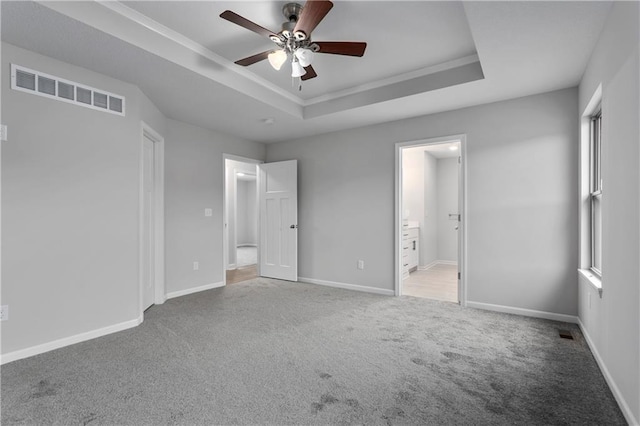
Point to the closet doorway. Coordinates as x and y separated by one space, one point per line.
429 219
241 220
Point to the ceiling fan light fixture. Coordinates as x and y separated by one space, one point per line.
277 58
305 56
294 42
300 35
297 70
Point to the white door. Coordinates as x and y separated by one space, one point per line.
278 200
148 223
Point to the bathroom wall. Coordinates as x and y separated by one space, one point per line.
447 199
430 193
429 232
413 186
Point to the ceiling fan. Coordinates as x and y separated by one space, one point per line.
294 40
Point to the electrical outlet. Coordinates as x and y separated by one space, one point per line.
196 266
208 212
4 312
360 264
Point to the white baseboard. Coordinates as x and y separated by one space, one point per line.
231 266
194 290
66 341
427 267
524 312
346 286
437 262
622 403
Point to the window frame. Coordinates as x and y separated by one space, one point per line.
595 188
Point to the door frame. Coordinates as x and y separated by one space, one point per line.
462 261
158 249
225 230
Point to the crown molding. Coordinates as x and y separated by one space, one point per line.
393 80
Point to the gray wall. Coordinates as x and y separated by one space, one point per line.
447 202
613 322
522 183
247 213
194 179
429 240
70 204
70 182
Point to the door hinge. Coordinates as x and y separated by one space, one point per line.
458 275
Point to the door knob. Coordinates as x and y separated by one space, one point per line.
293 226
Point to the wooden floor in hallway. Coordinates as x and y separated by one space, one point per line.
243 273
439 282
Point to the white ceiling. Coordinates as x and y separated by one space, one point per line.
421 58
444 22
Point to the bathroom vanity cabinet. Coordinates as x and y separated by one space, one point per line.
410 249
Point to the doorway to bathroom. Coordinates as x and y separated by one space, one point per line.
429 219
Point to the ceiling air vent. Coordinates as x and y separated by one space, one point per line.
41 84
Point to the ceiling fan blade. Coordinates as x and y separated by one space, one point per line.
348 48
245 23
312 13
311 73
253 59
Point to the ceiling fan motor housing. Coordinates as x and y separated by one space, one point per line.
291 11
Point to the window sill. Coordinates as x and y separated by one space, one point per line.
593 279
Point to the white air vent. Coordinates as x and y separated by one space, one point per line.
41 84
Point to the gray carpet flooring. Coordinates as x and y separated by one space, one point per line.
272 352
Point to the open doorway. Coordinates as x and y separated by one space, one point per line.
429 211
265 198
241 220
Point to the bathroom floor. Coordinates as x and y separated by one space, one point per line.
440 282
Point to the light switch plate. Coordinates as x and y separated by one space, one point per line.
208 212
3 132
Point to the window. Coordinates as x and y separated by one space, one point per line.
595 191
